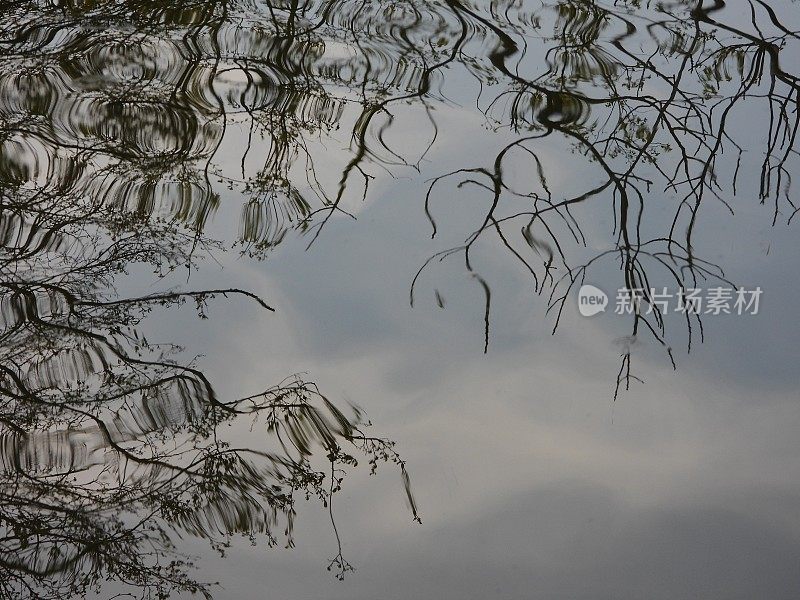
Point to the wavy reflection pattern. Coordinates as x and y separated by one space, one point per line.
121 129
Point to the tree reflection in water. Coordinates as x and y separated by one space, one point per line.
647 99
113 124
110 446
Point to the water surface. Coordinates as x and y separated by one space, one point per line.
289 299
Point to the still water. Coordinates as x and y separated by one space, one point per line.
290 299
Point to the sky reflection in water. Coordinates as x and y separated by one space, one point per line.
336 160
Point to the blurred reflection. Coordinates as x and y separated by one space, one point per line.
142 96
111 447
116 149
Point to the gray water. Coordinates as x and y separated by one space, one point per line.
247 245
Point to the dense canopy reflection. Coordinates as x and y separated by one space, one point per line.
127 127
111 118
110 444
